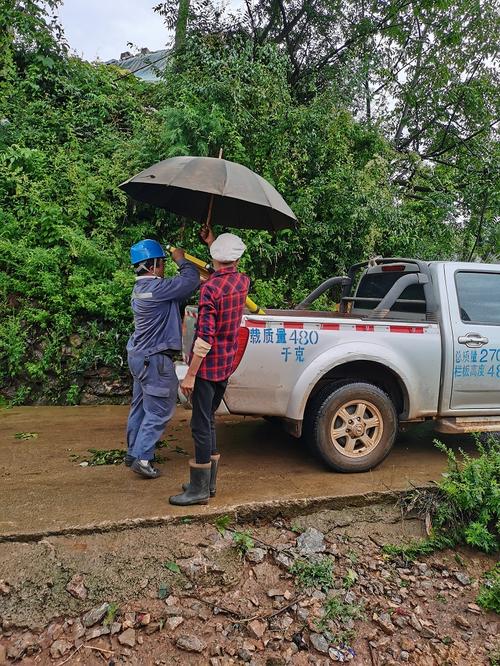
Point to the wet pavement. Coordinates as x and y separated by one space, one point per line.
43 490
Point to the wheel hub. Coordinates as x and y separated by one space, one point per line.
356 428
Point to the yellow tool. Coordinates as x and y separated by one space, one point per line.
206 269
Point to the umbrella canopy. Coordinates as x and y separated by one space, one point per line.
186 185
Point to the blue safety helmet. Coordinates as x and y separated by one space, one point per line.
144 250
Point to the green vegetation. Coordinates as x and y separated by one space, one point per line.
465 509
304 104
317 574
172 566
222 524
336 612
111 614
489 594
243 541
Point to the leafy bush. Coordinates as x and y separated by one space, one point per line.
465 509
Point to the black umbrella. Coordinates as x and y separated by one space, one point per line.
212 190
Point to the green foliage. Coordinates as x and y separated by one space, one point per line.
243 541
335 613
489 594
172 566
466 508
222 524
314 575
71 131
110 614
349 579
106 457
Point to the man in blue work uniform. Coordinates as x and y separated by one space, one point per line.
156 338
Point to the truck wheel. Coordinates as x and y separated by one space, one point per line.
353 428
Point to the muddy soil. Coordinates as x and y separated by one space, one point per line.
44 490
187 594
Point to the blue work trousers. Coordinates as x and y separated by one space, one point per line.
154 398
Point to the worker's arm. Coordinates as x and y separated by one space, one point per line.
181 286
206 327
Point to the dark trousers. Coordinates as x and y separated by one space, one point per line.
206 399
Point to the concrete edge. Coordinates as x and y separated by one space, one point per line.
242 513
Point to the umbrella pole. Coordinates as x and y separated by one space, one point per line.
206 224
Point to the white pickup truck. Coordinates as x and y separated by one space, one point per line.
405 341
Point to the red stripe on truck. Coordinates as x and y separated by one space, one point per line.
329 327
252 323
368 328
406 329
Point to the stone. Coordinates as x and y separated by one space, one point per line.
3 655
127 638
404 656
385 623
59 648
54 630
115 628
4 587
257 628
302 614
77 630
311 541
245 655
173 622
25 645
143 619
171 600
474 608
152 628
96 632
319 643
407 645
95 615
462 622
190 643
76 587
415 622
275 593
256 555
462 578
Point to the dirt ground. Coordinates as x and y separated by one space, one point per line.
44 490
222 593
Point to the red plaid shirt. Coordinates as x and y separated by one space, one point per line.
222 300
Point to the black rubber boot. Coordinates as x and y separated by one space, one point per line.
198 490
214 461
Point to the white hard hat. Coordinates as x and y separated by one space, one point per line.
227 247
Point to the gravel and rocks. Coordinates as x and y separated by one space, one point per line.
224 609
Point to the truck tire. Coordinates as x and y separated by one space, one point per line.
352 427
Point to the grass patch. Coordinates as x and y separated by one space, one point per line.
338 611
317 575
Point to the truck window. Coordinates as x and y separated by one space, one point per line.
376 285
478 297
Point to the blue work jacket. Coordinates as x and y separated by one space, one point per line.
155 304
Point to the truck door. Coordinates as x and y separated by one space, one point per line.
474 297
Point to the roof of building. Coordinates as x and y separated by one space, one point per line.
146 65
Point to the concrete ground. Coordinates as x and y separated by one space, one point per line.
43 490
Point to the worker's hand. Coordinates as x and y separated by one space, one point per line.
207 235
178 255
187 385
